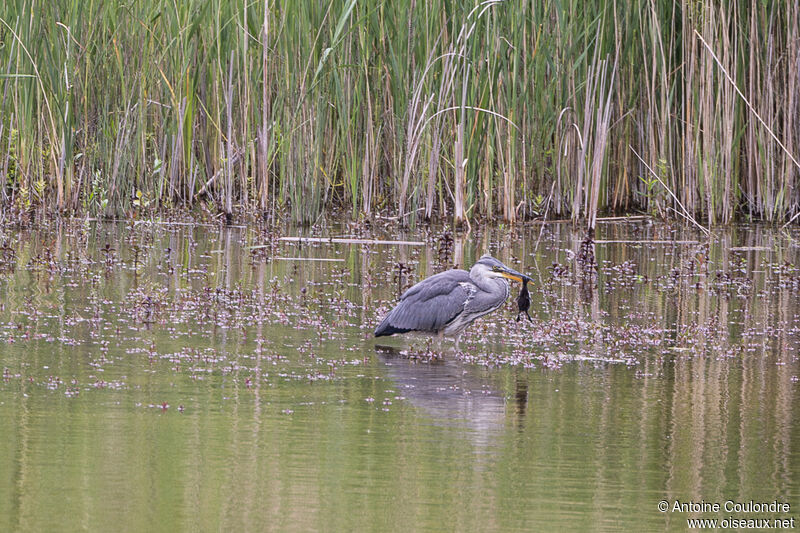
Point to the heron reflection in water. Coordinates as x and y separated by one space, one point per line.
446 303
452 394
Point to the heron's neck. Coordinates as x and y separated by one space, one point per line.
491 285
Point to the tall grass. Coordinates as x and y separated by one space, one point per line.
418 109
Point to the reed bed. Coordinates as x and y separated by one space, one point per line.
496 109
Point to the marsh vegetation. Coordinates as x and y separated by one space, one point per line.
422 110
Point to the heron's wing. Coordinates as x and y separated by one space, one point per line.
429 305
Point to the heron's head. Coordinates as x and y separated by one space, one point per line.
490 267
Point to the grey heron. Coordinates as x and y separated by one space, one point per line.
446 303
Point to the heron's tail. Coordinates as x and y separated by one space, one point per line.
385 328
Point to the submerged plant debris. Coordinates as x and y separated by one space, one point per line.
196 301
130 351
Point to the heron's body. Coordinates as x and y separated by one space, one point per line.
446 303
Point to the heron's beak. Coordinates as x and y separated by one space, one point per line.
510 273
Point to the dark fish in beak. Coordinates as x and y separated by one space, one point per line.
524 300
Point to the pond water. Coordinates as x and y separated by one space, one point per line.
168 377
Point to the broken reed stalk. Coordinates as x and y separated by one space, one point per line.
747 102
684 212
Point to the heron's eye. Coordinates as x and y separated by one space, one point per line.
496 268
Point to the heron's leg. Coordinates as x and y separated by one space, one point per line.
529 317
439 340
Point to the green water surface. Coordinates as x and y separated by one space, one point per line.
199 378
